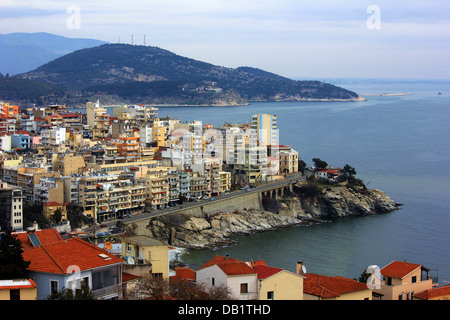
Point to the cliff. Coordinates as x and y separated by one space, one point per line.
308 203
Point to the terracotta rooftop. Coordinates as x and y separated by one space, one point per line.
330 287
399 269
434 293
59 256
230 266
184 273
45 236
264 271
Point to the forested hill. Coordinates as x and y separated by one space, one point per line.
144 74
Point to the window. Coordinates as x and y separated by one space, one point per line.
244 287
414 279
213 281
400 296
53 286
269 295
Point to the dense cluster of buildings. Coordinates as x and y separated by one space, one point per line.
111 166
119 164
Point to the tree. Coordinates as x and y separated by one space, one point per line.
159 289
349 171
149 287
301 166
186 290
57 215
12 265
319 163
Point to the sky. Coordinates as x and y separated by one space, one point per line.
299 39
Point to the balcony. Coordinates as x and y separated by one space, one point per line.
108 292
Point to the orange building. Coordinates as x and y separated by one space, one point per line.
8 111
128 147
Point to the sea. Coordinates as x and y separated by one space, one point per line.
399 144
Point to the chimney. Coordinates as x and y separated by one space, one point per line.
300 267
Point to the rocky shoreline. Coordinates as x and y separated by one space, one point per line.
307 204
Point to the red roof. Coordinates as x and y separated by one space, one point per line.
399 269
52 204
60 257
330 287
45 236
128 277
265 272
184 273
434 293
229 265
68 115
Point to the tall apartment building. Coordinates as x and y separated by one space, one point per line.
173 180
97 120
11 207
156 187
105 196
266 128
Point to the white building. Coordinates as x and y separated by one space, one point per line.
237 275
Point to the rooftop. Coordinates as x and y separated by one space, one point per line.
399 269
60 256
330 287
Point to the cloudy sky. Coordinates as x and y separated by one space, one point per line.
294 38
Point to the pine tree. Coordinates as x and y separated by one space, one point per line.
12 264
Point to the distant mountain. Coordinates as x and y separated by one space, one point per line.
144 74
22 52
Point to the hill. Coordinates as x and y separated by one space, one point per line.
22 52
130 74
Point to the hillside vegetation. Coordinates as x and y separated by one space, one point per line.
153 75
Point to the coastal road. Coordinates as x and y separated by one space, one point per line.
292 179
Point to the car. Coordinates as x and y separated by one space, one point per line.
101 234
103 225
211 199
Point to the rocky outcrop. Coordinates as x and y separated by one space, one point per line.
307 203
220 229
313 202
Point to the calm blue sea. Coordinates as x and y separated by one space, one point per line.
398 144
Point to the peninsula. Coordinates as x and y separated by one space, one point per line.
123 74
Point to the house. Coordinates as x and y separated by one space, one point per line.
64 264
144 254
320 287
401 280
438 293
49 209
237 275
18 289
276 283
